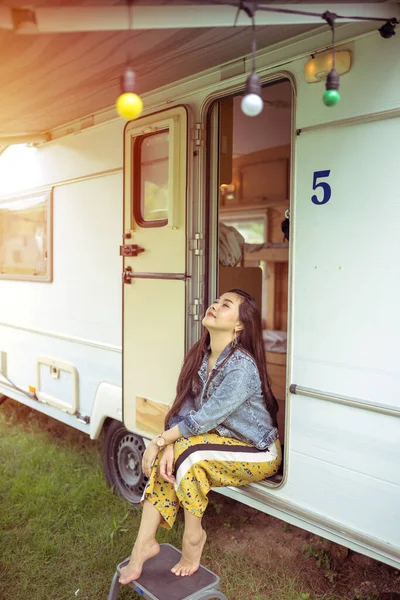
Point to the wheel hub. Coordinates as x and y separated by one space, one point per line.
129 461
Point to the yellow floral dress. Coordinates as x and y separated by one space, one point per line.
203 462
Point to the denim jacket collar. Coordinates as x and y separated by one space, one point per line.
203 368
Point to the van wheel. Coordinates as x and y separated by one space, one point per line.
122 460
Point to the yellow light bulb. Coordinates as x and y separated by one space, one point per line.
129 105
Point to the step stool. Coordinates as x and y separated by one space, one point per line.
158 583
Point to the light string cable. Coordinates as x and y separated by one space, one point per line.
387 30
129 105
252 102
129 5
331 95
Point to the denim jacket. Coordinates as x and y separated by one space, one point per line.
230 402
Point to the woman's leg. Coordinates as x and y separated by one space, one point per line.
160 507
193 541
206 461
146 545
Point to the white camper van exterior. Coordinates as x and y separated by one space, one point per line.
100 355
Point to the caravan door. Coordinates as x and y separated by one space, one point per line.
154 266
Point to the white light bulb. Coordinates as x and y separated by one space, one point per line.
252 105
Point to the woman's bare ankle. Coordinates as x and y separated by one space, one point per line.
192 548
144 541
142 551
194 537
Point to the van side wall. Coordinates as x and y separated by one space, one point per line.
77 317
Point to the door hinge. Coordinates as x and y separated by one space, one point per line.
196 244
194 309
198 134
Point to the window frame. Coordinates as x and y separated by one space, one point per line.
137 180
47 196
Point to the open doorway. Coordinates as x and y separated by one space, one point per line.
253 197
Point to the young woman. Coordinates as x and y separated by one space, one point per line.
220 431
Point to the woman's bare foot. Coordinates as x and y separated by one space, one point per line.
191 555
141 552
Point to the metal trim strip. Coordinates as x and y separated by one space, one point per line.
384 409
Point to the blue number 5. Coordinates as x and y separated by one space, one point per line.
325 186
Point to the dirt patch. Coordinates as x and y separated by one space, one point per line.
322 567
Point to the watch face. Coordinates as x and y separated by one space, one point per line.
160 442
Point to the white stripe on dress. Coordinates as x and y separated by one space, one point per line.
245 457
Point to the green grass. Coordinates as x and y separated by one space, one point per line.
63 530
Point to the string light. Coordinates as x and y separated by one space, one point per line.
331 95
252 103
129 105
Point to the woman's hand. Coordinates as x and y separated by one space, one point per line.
149 456
167 464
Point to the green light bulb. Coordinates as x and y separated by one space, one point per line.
331 97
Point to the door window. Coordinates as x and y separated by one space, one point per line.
151 189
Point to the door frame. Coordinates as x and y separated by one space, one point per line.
210 121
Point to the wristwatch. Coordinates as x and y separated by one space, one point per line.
160 441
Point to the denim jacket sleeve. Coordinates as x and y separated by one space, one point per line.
237 386
173 421
186 407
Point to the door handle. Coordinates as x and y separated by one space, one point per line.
130 250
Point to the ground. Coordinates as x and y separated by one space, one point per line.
324 568
62 531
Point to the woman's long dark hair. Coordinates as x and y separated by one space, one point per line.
250 339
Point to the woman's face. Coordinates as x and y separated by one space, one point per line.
223 314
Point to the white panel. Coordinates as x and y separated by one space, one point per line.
93 364
343 465
84 299
347 278
358 440
154 341
92 151
361 503
372 85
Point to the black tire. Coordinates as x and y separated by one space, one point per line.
122 460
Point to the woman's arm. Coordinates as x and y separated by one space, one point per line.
170 436
237 386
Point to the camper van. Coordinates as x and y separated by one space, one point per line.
116 235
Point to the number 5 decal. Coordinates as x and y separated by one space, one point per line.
322 184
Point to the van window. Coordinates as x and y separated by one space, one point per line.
25 232
253 228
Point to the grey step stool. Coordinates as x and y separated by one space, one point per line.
158 583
